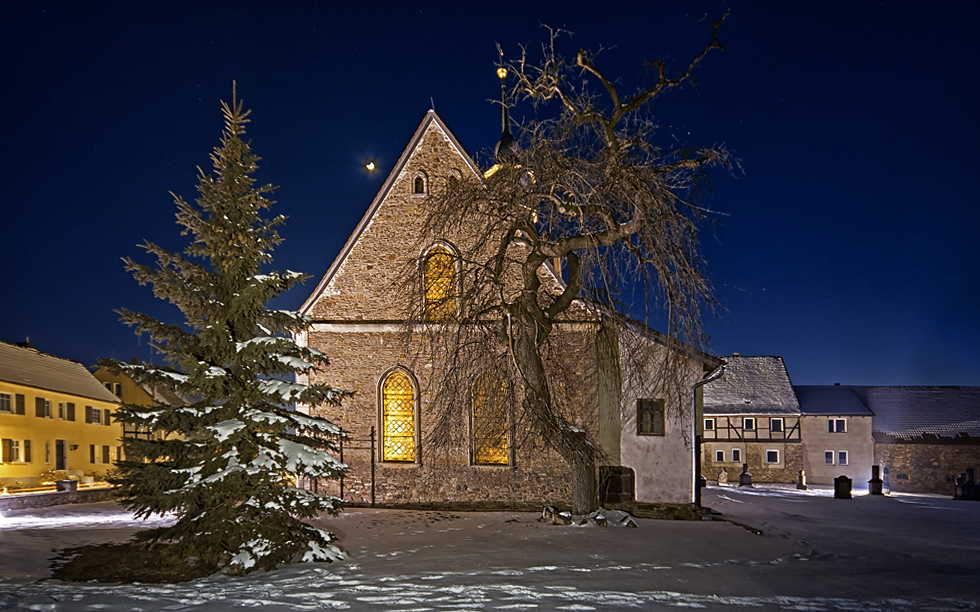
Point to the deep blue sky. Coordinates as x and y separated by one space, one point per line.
848 246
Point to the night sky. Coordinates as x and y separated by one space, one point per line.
848 246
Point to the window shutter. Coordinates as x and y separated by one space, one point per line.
91 453
6 444
39 407
107 420
70 414
105 454
20 404
88 414
27 451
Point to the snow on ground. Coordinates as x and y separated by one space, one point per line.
409 561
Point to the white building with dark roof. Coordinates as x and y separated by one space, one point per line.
836 433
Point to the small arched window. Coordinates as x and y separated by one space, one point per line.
398 418
490 420
418 185
439 278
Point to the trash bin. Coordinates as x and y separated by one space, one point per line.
842 487
68 485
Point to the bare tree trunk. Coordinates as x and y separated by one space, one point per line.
585 498
570 441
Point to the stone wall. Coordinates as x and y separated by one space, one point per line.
55 498
925 468
787 471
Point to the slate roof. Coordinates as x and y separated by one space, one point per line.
32 368
830 400
923 413
751 385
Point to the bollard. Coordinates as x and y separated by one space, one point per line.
801 483
842 487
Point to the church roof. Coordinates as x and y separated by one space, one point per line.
32 368
751 385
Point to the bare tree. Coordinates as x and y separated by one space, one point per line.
589 208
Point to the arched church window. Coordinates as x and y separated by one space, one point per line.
418 185
489 420
439 278
398 418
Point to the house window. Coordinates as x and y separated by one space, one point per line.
5 405
650 417
398 418
772 456
775 425
61 410
93 415
490 421
117 389
709 424
736 455
841 457
10 450
837 426
720 456
42 408
828 457
748 424
439 278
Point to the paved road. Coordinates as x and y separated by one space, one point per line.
814 553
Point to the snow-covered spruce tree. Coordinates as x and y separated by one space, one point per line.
229 458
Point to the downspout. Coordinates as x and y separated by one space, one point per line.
715 375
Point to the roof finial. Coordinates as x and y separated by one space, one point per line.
507 146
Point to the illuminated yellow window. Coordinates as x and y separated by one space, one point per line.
440 285
398 418
489 420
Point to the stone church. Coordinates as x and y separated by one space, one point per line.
647 442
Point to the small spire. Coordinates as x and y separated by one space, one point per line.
507 147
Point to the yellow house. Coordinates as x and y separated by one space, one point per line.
54 415
130 392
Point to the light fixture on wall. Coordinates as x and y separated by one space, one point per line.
74 447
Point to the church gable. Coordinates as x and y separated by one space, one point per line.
366 280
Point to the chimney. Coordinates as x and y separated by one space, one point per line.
735 355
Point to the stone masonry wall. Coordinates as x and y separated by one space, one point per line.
787 471
926 468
